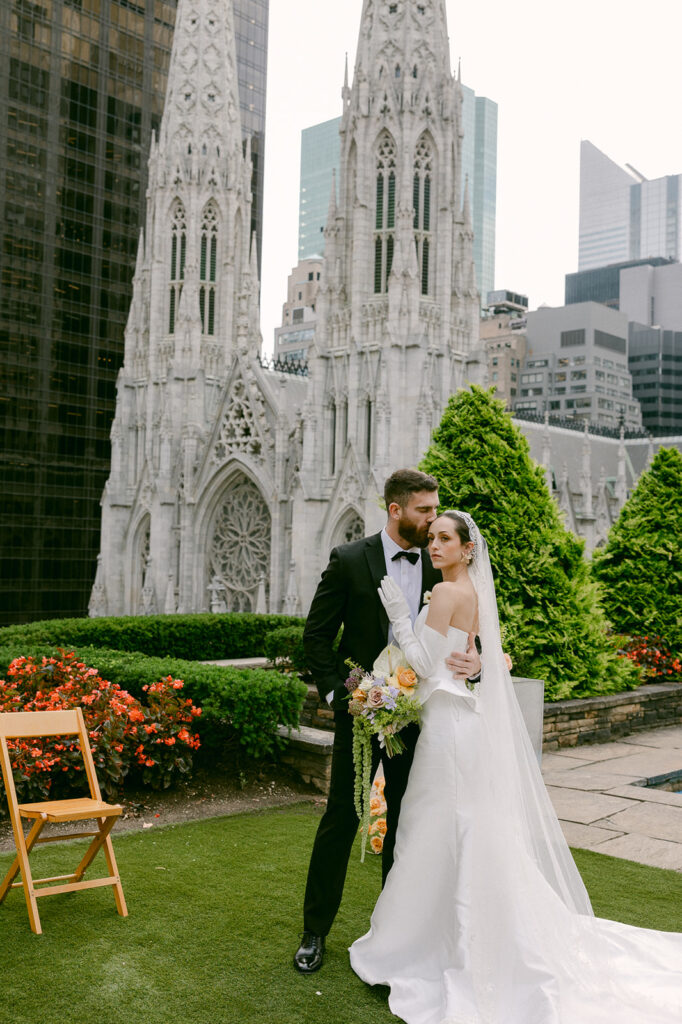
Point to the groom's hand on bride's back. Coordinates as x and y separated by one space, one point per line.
465 663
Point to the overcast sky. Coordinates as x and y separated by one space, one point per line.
604 70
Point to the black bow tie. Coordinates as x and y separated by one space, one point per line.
412 556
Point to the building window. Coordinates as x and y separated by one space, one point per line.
177 263
208 258
569 338
384 223
421 202
368 430
611 341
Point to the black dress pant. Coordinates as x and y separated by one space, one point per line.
339 824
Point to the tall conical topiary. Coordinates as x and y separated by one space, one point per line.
640 567
556 629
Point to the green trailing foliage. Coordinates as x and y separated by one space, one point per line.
203 636
640 567
241 708
556 629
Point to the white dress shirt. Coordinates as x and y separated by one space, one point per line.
407 576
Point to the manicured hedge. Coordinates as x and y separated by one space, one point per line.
285 646
179 636
241 708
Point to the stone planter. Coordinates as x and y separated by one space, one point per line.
530 693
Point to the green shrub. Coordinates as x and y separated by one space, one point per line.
200 636
284 647
640 567
241 708
556 628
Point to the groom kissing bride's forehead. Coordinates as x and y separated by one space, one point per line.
348 596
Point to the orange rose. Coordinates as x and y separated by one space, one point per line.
507 660
375 805
359 694
406 677
378 826
377 844
379 784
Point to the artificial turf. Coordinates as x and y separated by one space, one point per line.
214 921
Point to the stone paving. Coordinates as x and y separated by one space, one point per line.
594 792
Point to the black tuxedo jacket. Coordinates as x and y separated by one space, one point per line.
347 596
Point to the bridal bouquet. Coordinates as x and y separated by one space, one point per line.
382 703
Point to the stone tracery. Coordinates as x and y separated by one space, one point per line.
239 546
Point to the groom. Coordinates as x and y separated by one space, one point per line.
347 596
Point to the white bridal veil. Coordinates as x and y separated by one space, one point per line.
522 804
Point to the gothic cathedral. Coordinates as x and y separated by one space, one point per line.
230 483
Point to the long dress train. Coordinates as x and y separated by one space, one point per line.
472 926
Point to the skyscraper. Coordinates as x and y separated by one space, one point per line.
479 168
320 157
321 154
81 90
623 215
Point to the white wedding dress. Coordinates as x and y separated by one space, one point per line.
483 918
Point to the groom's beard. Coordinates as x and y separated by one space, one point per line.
416 536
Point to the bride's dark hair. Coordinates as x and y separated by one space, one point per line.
461 528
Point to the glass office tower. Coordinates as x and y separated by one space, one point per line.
623 215
479 167
82 86
320 156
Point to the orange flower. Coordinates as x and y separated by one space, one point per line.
377 844
406 677
359 695
507 660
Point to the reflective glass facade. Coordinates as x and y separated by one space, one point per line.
82 86
320 156
602 284
479 166
624 216
655 363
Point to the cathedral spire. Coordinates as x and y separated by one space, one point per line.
201 114
399 37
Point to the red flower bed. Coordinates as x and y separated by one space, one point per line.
153 742
653 656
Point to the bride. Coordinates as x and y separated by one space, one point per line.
484 918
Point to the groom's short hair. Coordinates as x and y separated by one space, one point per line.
404 482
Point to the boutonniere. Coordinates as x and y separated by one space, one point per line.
427 596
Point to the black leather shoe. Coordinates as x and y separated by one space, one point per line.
309 955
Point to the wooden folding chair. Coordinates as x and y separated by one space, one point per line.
25 724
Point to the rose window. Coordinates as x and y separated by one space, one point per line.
239 552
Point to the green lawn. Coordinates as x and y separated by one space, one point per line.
214 922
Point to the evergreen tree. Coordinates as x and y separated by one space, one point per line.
640 568
556 629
